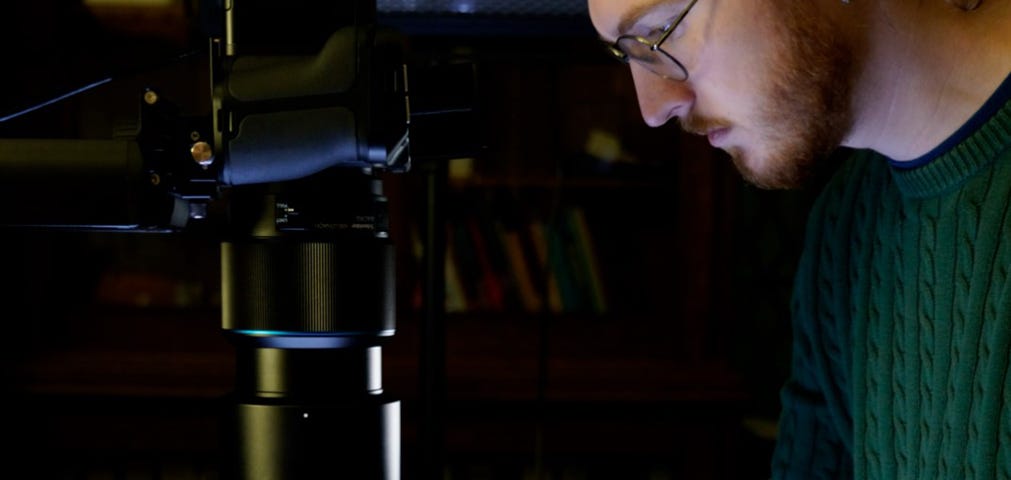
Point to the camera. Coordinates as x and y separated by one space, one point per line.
286 173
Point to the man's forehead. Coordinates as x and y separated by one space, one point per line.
617 17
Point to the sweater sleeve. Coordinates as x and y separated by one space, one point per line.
809 445
812 442
815 428
815 434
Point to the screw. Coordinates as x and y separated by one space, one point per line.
150 97
202 154
155 179
194 135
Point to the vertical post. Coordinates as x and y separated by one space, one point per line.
433 327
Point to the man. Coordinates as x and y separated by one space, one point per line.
902 301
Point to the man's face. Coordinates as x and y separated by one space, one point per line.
768 80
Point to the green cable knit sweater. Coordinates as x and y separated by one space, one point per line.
902 320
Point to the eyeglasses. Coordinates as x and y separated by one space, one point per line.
648 52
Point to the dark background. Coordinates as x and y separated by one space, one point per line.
114 365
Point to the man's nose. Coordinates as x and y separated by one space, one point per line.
660 99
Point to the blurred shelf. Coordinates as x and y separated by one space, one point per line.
552 183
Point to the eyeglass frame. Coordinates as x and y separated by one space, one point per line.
654 46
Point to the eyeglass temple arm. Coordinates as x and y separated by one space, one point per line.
673 26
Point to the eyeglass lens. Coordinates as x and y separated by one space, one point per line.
658 62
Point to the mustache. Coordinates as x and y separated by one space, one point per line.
701 125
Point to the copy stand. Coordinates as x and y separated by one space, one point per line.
289 185
284 174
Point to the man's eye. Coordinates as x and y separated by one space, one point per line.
656 32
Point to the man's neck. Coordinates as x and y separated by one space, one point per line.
930 66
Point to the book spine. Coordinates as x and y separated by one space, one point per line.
456 294
587 260
539 239
561 266
490 281
520 270
468 266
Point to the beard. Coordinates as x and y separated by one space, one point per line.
806 108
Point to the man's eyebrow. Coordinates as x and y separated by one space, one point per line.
633 15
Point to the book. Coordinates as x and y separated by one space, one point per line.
456 298
467 264
560 264
585 260
489 278
519 269
491 230
539 240
455 294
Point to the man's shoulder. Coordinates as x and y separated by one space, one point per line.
855 174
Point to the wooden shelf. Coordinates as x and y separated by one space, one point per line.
554 183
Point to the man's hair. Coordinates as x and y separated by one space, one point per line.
966 5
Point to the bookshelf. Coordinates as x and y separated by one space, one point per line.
655 358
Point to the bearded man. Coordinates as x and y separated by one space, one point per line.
902 300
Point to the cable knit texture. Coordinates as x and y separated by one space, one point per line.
902 321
